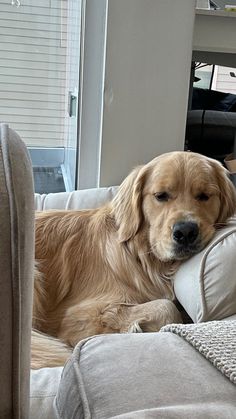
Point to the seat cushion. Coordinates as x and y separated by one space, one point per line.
142 376
43 388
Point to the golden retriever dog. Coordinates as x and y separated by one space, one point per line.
109 270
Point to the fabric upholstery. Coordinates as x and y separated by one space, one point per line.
125 376
43 388
142 376
83 199
216 341
146 376
16 279
205 285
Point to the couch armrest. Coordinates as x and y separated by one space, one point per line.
205 285
142 375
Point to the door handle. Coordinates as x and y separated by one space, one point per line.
72 101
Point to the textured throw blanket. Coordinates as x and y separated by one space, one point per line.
215 340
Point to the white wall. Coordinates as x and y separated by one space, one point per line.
148 57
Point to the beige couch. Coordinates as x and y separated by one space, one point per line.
178 373
156 375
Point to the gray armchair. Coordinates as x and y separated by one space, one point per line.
16 278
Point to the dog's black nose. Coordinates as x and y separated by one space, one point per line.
185 232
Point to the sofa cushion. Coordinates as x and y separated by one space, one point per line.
83 199
216 341
205 285
142 376
43 388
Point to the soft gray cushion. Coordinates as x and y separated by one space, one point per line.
16 278
205 285
142 376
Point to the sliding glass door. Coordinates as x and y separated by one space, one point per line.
39 84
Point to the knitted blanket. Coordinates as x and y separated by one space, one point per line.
215 340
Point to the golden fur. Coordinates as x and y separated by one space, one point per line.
109 269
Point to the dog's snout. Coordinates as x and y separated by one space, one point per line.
185 232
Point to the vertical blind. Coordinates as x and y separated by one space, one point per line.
33 41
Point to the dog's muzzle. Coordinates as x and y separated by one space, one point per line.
185 235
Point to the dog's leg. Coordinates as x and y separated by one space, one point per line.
83 320
94 317
147 317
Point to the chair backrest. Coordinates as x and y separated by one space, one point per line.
16 274
76 200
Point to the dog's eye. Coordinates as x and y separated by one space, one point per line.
162 196
202 197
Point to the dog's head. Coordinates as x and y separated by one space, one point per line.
179 199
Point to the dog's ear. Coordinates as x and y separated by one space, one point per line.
227 193
127 204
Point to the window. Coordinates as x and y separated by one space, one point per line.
215 77
224 79
203 75
39 84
